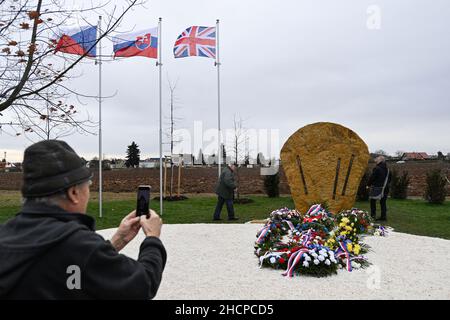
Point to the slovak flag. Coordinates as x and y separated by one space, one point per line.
78 40
196 41
140 43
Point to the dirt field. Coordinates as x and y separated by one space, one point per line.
202 180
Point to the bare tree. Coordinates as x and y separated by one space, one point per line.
174 139
32 76
240 140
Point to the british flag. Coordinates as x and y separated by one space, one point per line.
196 41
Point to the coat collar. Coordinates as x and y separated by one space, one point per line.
32 208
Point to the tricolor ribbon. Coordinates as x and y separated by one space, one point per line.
339 253
293 261
314 209
263 234
306 239
290 224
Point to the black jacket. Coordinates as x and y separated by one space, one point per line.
378 177
226 185
38 246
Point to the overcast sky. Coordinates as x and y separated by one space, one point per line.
285 64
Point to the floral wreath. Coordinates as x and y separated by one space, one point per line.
316 243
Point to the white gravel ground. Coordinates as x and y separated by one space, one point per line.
216 261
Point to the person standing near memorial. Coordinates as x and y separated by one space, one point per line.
379 187
225 192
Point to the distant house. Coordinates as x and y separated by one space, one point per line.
11 167
149 163
118 164
415 156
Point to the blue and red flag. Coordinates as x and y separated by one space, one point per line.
196 41
140 43
78 40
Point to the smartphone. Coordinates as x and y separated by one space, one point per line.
143 201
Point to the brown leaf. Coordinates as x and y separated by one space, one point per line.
25 25
12 43
31 48
20 53
6 50
33 14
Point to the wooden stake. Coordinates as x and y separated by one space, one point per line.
165 177
179 178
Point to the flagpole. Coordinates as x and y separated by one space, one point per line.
100 156
159 64
217 64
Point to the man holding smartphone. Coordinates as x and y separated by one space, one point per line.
50 250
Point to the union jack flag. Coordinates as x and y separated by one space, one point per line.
196 41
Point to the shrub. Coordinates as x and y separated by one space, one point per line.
435 190
399 184
271 185
363 192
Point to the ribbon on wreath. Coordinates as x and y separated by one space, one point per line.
293 261
269 254
343 251
263 233
314 210
290 224
306 238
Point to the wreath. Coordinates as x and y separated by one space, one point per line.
316 243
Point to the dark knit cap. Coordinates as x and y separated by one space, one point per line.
51 166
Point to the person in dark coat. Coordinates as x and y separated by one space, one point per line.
377 179
225 193
50 249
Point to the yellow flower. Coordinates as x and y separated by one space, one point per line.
356 249
350 247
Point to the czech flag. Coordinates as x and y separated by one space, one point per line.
78 40
140 43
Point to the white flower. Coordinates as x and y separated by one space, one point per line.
327 262
355 265
307 258
333 260
273 260
340 266
321 258
314 254
316 262
331 253
305 264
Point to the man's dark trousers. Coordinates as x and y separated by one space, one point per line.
230 208
373 207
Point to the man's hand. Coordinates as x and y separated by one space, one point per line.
152 225
128 229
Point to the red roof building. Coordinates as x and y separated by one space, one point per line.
415 156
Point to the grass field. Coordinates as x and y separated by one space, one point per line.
409 216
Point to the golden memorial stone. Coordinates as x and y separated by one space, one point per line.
324 163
